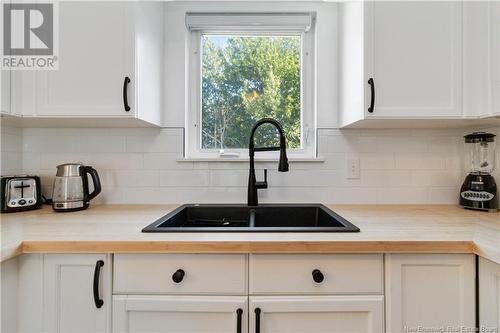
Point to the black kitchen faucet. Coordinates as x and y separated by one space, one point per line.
253 184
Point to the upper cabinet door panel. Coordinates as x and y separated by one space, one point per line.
414 54
95 55
495 56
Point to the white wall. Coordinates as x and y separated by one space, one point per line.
141 166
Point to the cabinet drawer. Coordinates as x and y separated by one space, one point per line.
293 274
222 274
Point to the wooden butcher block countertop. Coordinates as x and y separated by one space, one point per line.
384 228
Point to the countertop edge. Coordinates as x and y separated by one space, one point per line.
246 247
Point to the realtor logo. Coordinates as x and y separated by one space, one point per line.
29 36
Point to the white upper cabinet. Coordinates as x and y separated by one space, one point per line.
5 91
481 88
400 60
110 57
494 32
96 55
414 56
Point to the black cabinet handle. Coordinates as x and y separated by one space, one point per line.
372 101
257 320
178 276
97 272
125 99
318 277
239 313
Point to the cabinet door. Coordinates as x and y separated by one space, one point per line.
96 53
424 291
5 91
494 23
314 314
176 314
414 55
69 303
489 295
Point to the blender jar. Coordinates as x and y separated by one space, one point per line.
480 152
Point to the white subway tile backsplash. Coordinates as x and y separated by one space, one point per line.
332 161
100 144
303 178
141 165
184 178
114 161
52 160
436 178
403 195
165 161
48 144
162 142
11 142
229 178
134 178
444 195
454 161
10 162
446 144
420 161
377 161
293 194
31 161
354 194
386 178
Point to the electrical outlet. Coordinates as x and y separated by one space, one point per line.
353 171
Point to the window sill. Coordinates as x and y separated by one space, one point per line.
246 160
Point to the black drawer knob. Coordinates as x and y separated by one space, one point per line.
178 276
318 277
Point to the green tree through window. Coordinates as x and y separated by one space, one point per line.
244 79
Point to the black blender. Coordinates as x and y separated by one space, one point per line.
479 190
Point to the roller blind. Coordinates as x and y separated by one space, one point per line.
246 21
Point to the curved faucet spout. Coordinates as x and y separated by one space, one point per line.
253 185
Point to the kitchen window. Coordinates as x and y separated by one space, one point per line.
244 67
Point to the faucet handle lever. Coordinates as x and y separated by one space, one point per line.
262 184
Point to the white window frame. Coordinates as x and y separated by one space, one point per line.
217 24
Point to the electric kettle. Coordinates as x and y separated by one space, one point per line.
71 187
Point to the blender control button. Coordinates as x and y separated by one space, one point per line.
13 203
30 201
22 202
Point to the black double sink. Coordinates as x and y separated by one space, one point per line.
243 218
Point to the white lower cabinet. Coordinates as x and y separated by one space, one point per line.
70 301
176 314
316 314
427 292
280 293
489 295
